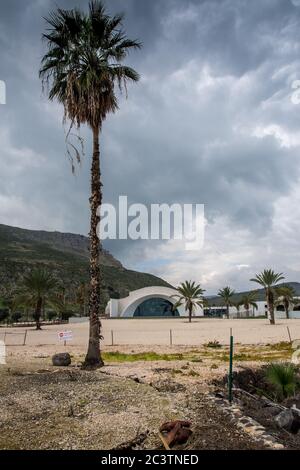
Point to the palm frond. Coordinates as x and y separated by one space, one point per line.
283 378
84 62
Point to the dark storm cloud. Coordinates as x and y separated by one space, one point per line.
210 122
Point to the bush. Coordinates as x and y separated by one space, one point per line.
51 315
66 315
4 314
213 344
283 378
15 317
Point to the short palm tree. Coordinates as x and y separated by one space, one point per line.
283 377
227 293
82 67
267 279
39 288
285 295
248 300
190 294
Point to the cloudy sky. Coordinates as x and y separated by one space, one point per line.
214 120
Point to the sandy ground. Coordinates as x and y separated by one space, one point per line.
150 332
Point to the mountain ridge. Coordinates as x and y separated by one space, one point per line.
67 256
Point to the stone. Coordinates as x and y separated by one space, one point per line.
278 446
285 419
61 359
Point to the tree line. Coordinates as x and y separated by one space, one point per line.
191 295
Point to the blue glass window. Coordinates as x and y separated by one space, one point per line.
156 307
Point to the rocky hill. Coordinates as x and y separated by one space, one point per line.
67 256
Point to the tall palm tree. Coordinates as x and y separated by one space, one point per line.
248 300
285 295
82 293
227 293
39 288
267 279
82 67
191 295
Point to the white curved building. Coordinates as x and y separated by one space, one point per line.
153 301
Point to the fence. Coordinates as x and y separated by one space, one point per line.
148 333
29 324
8 334
176 337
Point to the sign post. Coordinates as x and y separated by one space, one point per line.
65 336
2 353
289 333
230 368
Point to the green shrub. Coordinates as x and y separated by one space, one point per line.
213 344
51 315
15 317
283 378
66 315
4 314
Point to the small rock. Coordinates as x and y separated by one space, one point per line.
61 360
278 446
285 419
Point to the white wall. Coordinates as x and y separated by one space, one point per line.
78 319
126 307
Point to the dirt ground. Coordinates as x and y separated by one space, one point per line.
73 409
43 407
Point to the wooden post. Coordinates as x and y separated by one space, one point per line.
171 338
112 337
4 337
289 333
25 337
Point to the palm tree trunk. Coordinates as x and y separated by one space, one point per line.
272 316
227 311
287 313
93 357
38 312
270 302
286 307
190 315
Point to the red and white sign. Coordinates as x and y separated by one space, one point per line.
65 335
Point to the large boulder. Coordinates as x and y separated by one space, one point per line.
61 359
